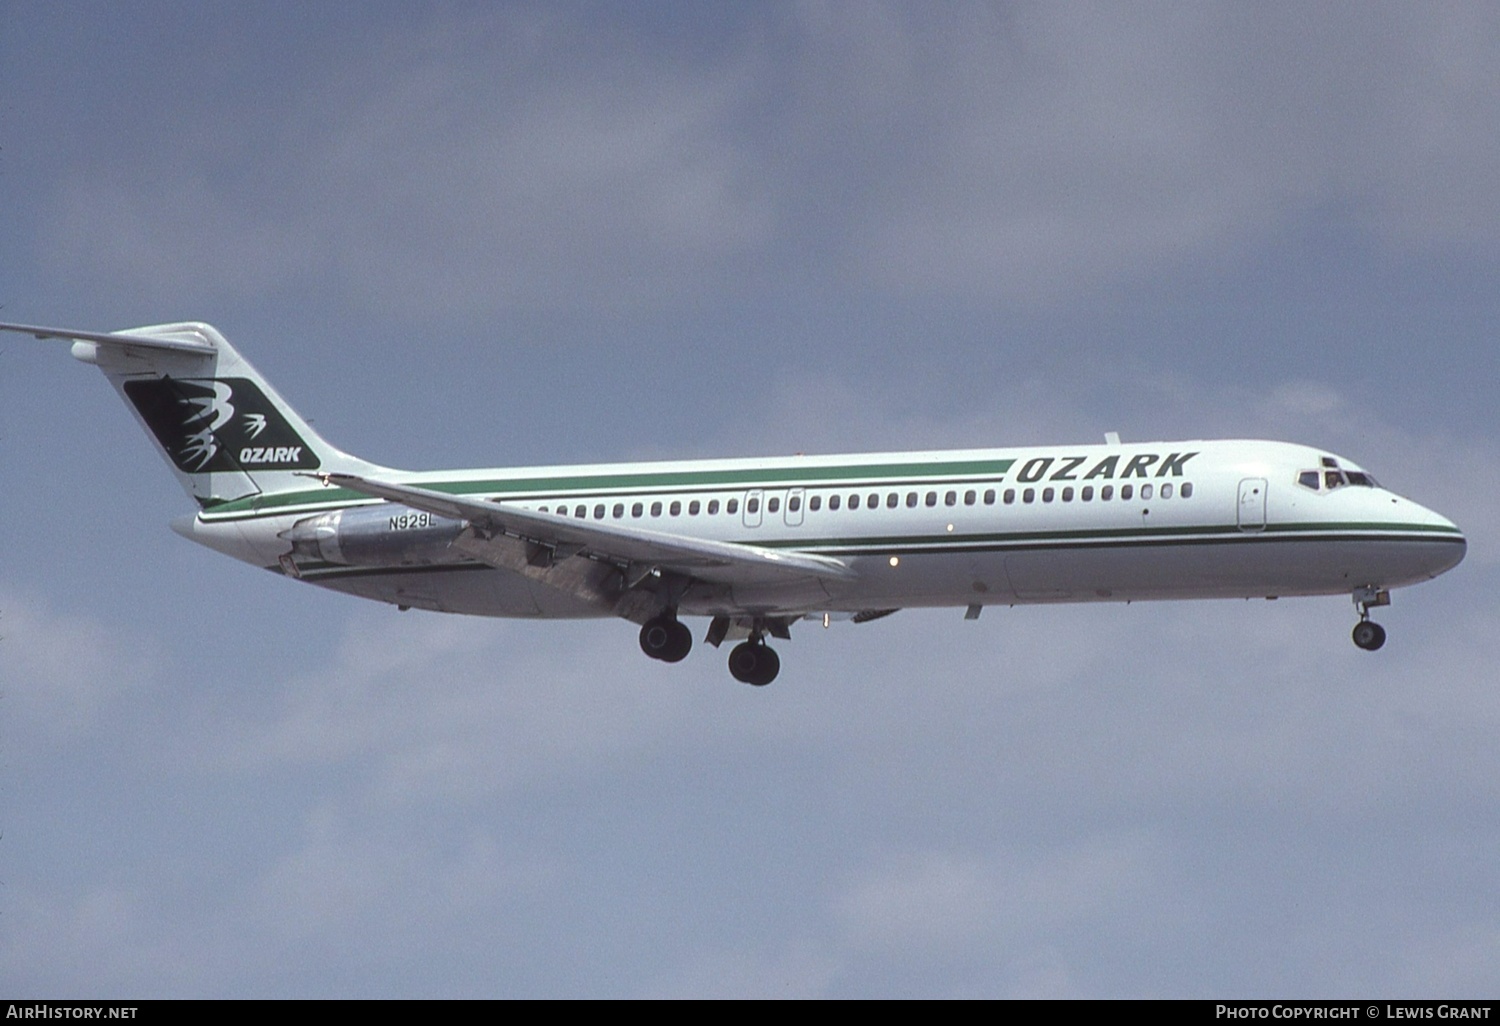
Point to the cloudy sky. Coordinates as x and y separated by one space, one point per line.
486 234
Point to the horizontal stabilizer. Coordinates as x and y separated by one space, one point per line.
180 341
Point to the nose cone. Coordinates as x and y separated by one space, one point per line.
1458 548
1415 543
1449 546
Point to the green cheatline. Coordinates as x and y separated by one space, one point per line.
1100 536
881 474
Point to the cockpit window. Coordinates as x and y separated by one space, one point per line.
1329 477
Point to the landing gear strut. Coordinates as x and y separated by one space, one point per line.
666 638
1368 634
754 662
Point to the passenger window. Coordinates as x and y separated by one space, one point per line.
580 511
892 501
1067 495
713 507
932 498
969 497
599 511
675 509
1106 493
872 500
751 506
833 501
1087 495
989 496
732 507
693 508
1029 495
1010 496
636 509
854 501
619 510
1126 491
1145 491
656 509
1187 490
911 500
1047 494
773 504
814 502
1166 490
950 499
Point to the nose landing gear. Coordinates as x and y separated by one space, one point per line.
1368 634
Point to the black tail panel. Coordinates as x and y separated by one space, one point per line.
218 425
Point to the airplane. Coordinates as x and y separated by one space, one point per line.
757 545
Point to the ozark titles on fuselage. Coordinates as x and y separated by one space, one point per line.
1138 465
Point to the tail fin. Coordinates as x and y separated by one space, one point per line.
225 432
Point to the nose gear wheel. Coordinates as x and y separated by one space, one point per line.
1368 634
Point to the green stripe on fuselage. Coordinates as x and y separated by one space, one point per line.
1107 536
878 474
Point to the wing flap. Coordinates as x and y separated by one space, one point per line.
555 537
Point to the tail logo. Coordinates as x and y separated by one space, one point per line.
205 416
206 425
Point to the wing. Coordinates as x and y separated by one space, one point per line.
507 536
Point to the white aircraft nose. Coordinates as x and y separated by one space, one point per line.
1452 547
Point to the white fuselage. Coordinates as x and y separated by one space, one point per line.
757 544
1166 520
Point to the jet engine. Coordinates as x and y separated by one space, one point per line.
385 535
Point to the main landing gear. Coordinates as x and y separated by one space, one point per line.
1368 634
754 662
666 638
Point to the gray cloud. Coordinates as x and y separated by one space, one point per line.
519 159
65 674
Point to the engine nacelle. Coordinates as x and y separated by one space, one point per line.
385 535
